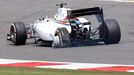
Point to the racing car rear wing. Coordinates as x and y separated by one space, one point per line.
82 12
97 11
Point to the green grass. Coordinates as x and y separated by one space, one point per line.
37 71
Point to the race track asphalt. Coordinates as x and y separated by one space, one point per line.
30 10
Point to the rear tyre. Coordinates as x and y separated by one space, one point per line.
110 32
61 38
18 33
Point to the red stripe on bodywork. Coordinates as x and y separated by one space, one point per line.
112 69
32 64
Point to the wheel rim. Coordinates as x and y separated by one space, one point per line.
58 42
13 33
60 38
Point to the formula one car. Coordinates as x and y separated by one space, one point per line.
66 28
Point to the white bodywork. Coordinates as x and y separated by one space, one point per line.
45 28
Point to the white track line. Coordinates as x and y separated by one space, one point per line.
67 65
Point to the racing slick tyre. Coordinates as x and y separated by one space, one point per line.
110 31
18 33
61 38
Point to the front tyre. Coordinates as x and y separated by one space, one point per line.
18 33
110 31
